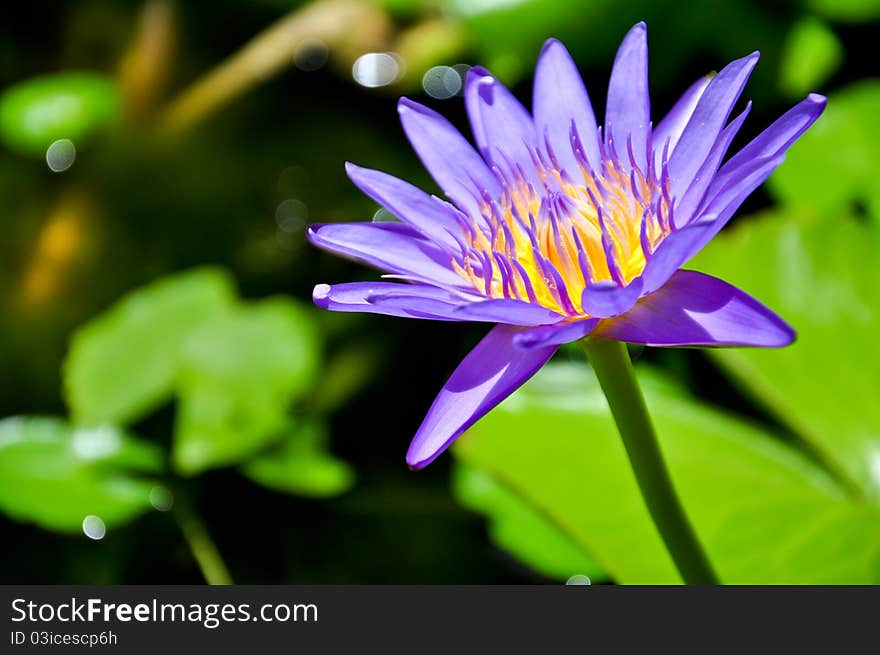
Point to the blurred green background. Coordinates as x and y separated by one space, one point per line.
171 393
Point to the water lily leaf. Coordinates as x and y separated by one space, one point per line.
855 11
124 363
522 530
847 138
811 54
818 272
765 512
302 465
239 375
55 475
39 111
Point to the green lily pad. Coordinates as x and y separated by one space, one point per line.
523 530
764 512
811 54
301 465
853 11
124 363
837 162
55 475
74 105
239 375
818 272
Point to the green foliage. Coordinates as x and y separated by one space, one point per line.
813 262
235 368
837 161
125 363
812 53
301 464
238 377
817 271
854 11
521 529
55 475
766 513
36 112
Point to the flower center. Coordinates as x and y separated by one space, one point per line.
550 236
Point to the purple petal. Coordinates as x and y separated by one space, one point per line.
672 126
674 251
391 247
684 243
606 298
367 297
434 218
449 158
472 101
628 112
490 372
510 311
725 196
686 208
554 335
422 301
502 127
707 121
694 309
559 99
773 141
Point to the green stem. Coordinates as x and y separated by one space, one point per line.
201 545
614 370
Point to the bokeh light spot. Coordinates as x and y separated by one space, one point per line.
311 54
291 215
93 527
382 215
579 579
442 82
161 498
61 155
375 69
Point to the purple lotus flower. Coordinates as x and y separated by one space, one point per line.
558 229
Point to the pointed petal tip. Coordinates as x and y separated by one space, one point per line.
355 172
478 71
483 82
360 175
416 461
405 105
320 295
697 310
638 31
787 335
551 43
817 99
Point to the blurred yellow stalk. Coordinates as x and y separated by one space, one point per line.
349 27
58 244
143 71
